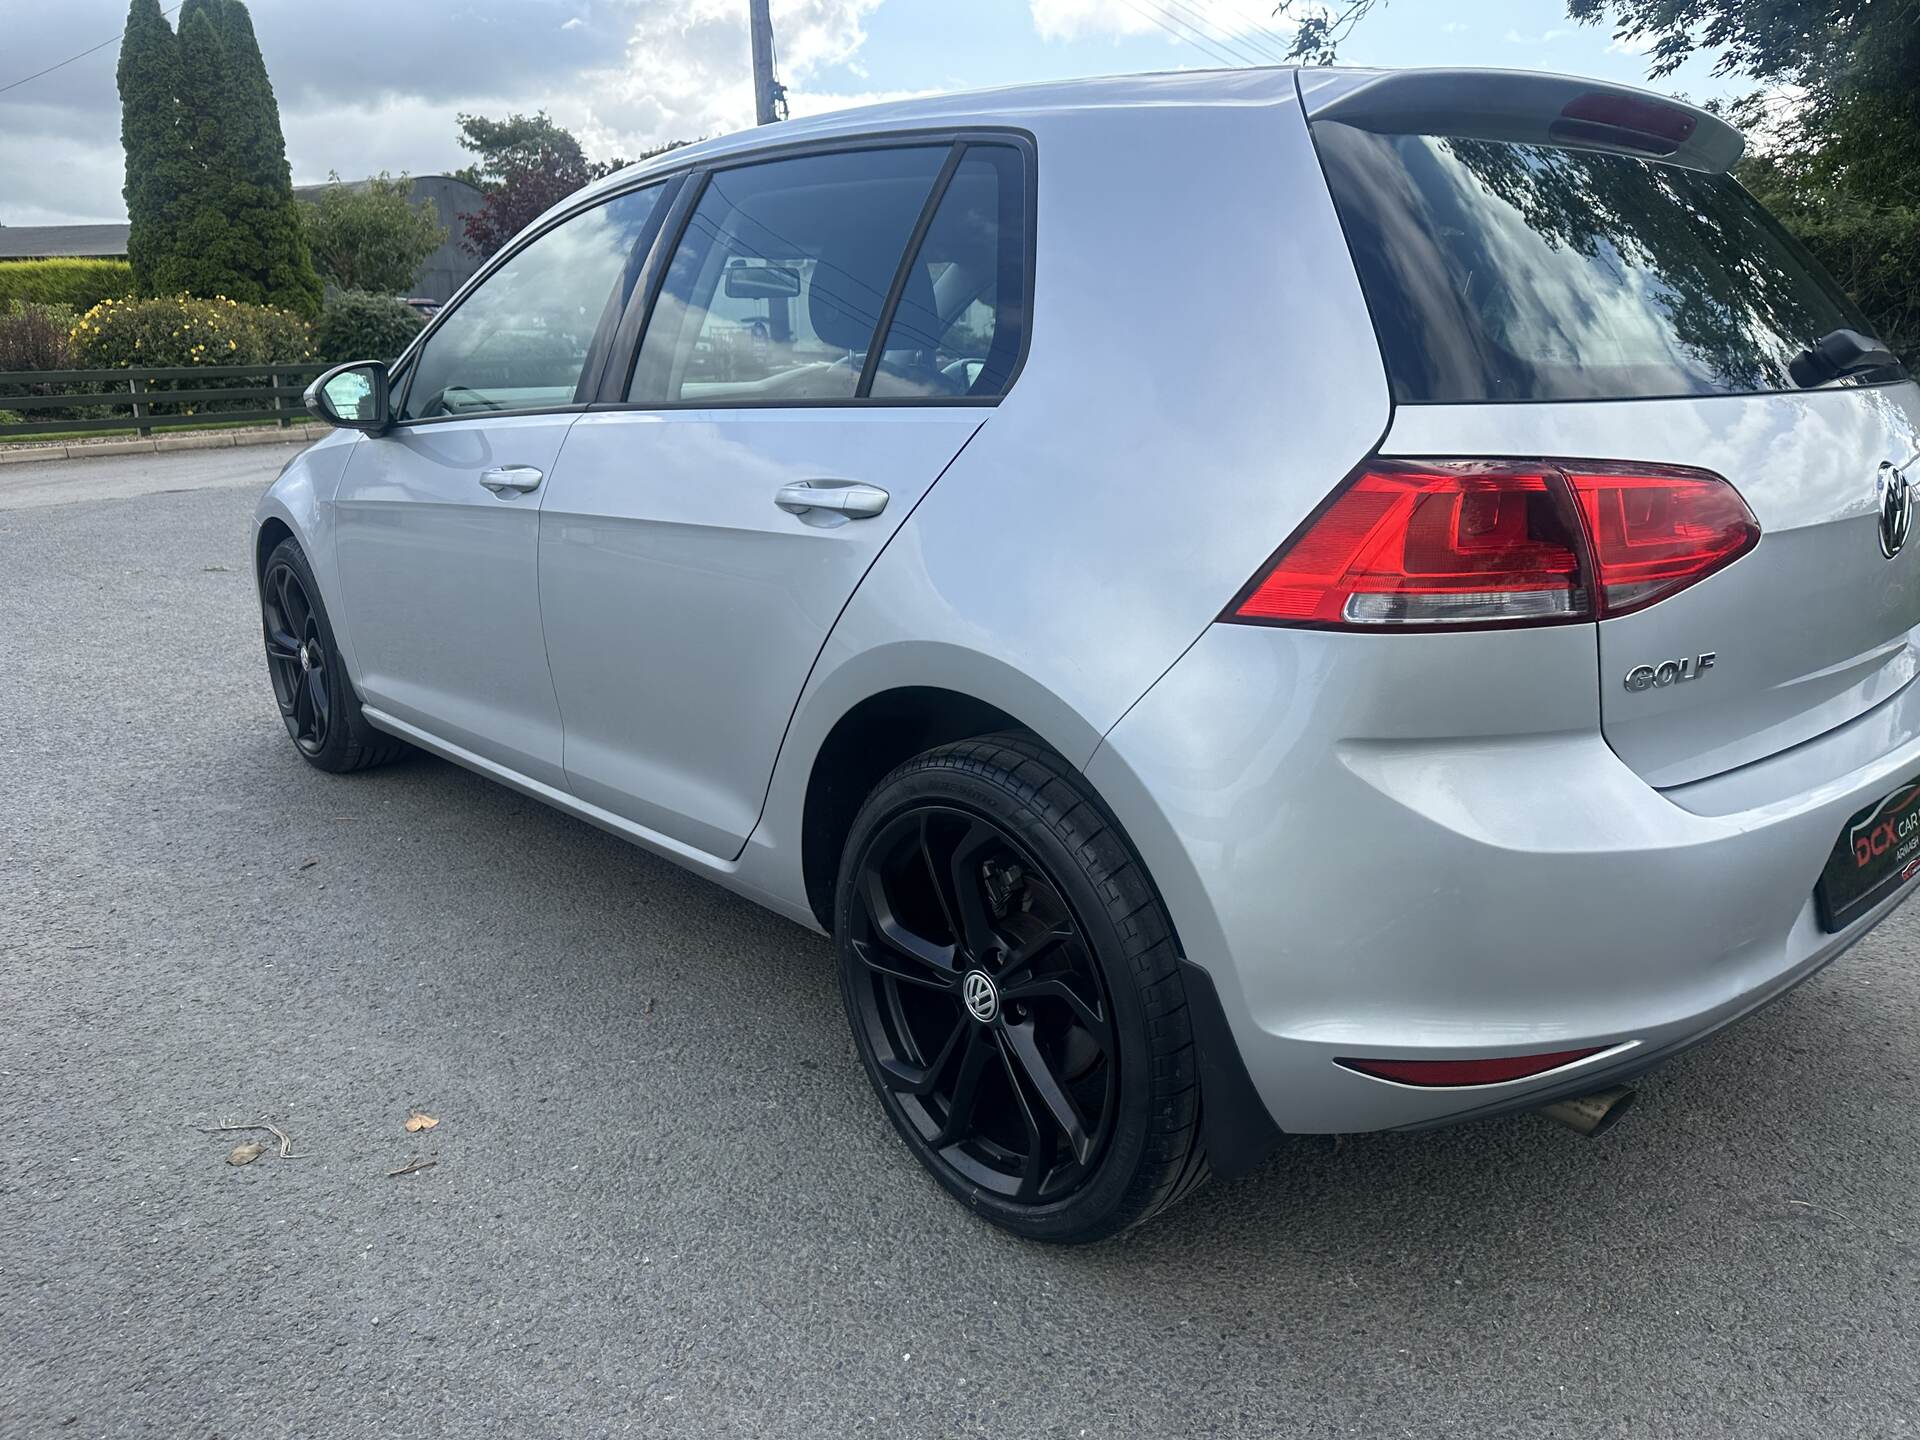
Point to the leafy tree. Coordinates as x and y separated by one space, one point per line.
530 186
526 165
370 237
358 326
516 144
159 162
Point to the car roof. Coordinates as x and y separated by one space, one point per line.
1007 105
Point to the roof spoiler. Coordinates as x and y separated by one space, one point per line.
1524 106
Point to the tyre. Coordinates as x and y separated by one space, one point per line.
1012 981
316 699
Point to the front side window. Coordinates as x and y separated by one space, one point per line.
777 287
521 339
957 332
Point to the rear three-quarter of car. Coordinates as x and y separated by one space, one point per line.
1402 611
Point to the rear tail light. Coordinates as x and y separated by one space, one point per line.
1466 1072
1430 544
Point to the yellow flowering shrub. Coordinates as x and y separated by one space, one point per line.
183 330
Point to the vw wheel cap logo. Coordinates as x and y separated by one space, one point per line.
1896 508
983 1000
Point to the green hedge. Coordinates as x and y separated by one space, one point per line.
79 283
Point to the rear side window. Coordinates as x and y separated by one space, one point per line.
777 286
1503 271
959 326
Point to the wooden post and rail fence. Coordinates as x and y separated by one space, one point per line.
149 399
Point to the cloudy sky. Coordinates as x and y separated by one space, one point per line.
369 85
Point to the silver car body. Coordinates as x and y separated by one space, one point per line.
1425 846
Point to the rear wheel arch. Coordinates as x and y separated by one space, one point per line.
863 747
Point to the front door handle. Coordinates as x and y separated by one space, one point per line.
511 477
836 497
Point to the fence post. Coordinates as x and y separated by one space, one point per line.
138 385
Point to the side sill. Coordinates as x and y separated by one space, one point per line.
722 872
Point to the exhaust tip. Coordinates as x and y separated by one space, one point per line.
1591 1115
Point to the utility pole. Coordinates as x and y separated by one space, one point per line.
767 92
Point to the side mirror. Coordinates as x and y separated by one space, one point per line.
352 396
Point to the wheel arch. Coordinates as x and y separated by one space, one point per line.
272 531
868 740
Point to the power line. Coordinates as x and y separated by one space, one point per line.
16 84
1257 26
1246 54
1237 28
1211 51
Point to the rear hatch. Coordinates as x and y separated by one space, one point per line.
1576 277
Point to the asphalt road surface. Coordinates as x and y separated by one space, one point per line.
664 1202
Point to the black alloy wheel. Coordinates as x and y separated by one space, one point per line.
310 682
297 658
1014 988
988 1017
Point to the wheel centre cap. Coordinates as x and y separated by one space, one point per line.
306 656
982 997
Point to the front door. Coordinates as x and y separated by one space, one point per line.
438 519
698 542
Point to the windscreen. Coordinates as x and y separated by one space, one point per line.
1504 271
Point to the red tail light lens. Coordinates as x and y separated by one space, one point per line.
1477 543
1654 532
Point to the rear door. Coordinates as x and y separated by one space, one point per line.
1542 299
706 526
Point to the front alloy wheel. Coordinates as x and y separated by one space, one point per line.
296 657
310 683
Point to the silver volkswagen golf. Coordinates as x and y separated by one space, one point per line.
1244 603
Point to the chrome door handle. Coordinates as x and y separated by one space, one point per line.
511 477
840 497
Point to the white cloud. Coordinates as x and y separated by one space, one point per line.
625 75
1625 45
685 73
1071 19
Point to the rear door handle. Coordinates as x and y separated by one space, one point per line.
838 497
511 477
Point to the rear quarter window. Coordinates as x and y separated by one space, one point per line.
1497 270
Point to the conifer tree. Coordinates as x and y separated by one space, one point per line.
233 230
159 165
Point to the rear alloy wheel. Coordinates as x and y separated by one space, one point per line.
310 683
1012 985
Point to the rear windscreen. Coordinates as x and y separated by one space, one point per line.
1503 271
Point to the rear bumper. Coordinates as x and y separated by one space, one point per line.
1353 891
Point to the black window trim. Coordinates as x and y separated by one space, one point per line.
605 335
631 332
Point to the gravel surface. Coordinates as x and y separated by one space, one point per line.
664 1202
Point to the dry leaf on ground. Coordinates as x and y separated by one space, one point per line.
418 1121
246 1154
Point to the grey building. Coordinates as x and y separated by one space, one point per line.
63 242
443 272
447 268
